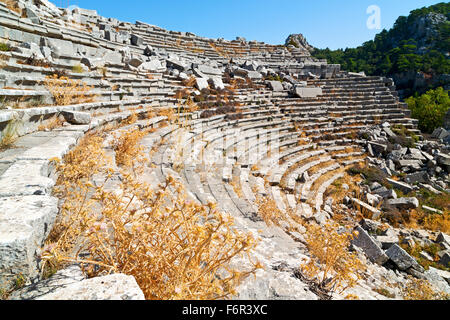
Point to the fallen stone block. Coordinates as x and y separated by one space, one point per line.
77 118
402 259
443 238
369 246
137 40
404 203
404 187
387 241
417 177
201 83
302 92
440 133
276 86
374 211
217 83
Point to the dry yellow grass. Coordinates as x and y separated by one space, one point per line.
175 249
66 91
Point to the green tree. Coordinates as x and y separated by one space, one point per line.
430 108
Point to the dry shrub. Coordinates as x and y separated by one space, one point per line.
189 82
169 113
52 124
12 5
419 289
174 248
132 119
126 145
67 91
332 267
269 211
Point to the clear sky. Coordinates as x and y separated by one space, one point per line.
324 23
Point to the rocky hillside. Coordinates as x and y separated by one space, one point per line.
415 52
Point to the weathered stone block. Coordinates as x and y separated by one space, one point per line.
24 224
369 246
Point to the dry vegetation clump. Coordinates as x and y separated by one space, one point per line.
127 148
53 123
419 289
175 248
9 134
332 267
13 5
67 91
269 211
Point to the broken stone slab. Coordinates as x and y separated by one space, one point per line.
276 86
302 92
24 225
404 187
387 241
370 225
440 133
443 238
415 154
385 193
402 259
369 246
445 259
444 160
201 83
207 70
59 280
135 61
404 203
417 177
433 210
137 40
93 62
111 287
412 164
378 148
426 255
374 211
217 83
77 118
442 273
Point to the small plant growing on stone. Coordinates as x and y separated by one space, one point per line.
77 68
9 134
4 47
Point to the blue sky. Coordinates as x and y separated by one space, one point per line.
325 23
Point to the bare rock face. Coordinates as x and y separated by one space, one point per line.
299 41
